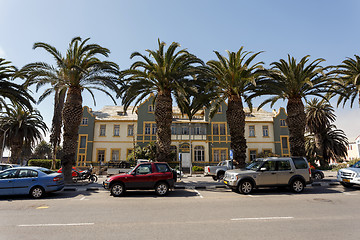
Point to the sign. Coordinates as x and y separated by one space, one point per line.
231 154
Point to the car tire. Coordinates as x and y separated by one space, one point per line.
117 189
317 176
37 192
297 185
214 178
93 178
220 175
74 179
245 187
347 185
161 189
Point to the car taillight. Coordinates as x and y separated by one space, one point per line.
208 169
56 179
310 171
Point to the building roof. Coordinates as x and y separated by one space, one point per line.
115 113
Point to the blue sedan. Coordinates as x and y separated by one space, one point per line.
35 181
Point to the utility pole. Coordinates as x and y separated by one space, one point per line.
190 148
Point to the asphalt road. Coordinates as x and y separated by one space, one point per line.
321 212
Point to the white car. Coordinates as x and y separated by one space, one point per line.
349 176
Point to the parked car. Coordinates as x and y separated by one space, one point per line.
150 175
217 172
4 166
35 181
349 176
293 172
74 172
317 174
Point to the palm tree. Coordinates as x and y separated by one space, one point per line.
292 81
11 91
165 74
347 81
319 116
22 127
231 80
80 69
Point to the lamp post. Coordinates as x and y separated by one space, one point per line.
190 148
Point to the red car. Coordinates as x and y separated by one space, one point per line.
152 175
73 174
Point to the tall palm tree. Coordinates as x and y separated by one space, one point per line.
23 127
347 81
319 116
232 79
164 74
80 69
293 81
11 91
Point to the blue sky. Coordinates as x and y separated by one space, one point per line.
323 29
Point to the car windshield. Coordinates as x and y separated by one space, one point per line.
46 171
254 165
356 165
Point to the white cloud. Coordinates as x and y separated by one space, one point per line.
2 53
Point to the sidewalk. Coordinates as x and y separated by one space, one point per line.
197 181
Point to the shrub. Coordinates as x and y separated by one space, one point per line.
197 169
46 163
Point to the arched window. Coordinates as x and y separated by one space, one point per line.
199 154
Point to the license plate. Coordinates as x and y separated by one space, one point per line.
346 180
225 182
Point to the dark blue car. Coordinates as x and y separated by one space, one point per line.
35 181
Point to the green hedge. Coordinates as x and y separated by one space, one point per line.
197 169
46 163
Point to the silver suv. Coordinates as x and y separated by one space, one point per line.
270 172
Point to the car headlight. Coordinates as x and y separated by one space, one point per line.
108 180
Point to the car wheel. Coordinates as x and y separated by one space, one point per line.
117 189
220 175
347 185
317 176
245 187
297 186
93 178
37 192
74 179
162 188
215 178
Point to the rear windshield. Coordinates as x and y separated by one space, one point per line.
46 171
300 163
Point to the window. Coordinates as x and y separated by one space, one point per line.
131 130
197 130
215 129
282 122
284 142
184 130
300 163
116 130
199 154
265 131
220 110
85 121
8 174
101 156
115 155
269 165
143 169
153 132
284 165
102 130
82 142
147 128
251 131
151 108
162 167
25 173
219 155
173 129
253 155
222 129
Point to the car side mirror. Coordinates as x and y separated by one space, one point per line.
263 169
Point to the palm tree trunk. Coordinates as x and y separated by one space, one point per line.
236 120
56 124
15 152
163 118
72 114
296 121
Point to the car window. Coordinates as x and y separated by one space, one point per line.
254 165
8 174
24 173
356 165
4 167
162 168
300 163
143 169
269 165
284 165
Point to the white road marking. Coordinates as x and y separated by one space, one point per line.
198 193
55 224
261 218
83 198
349 194
252 196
